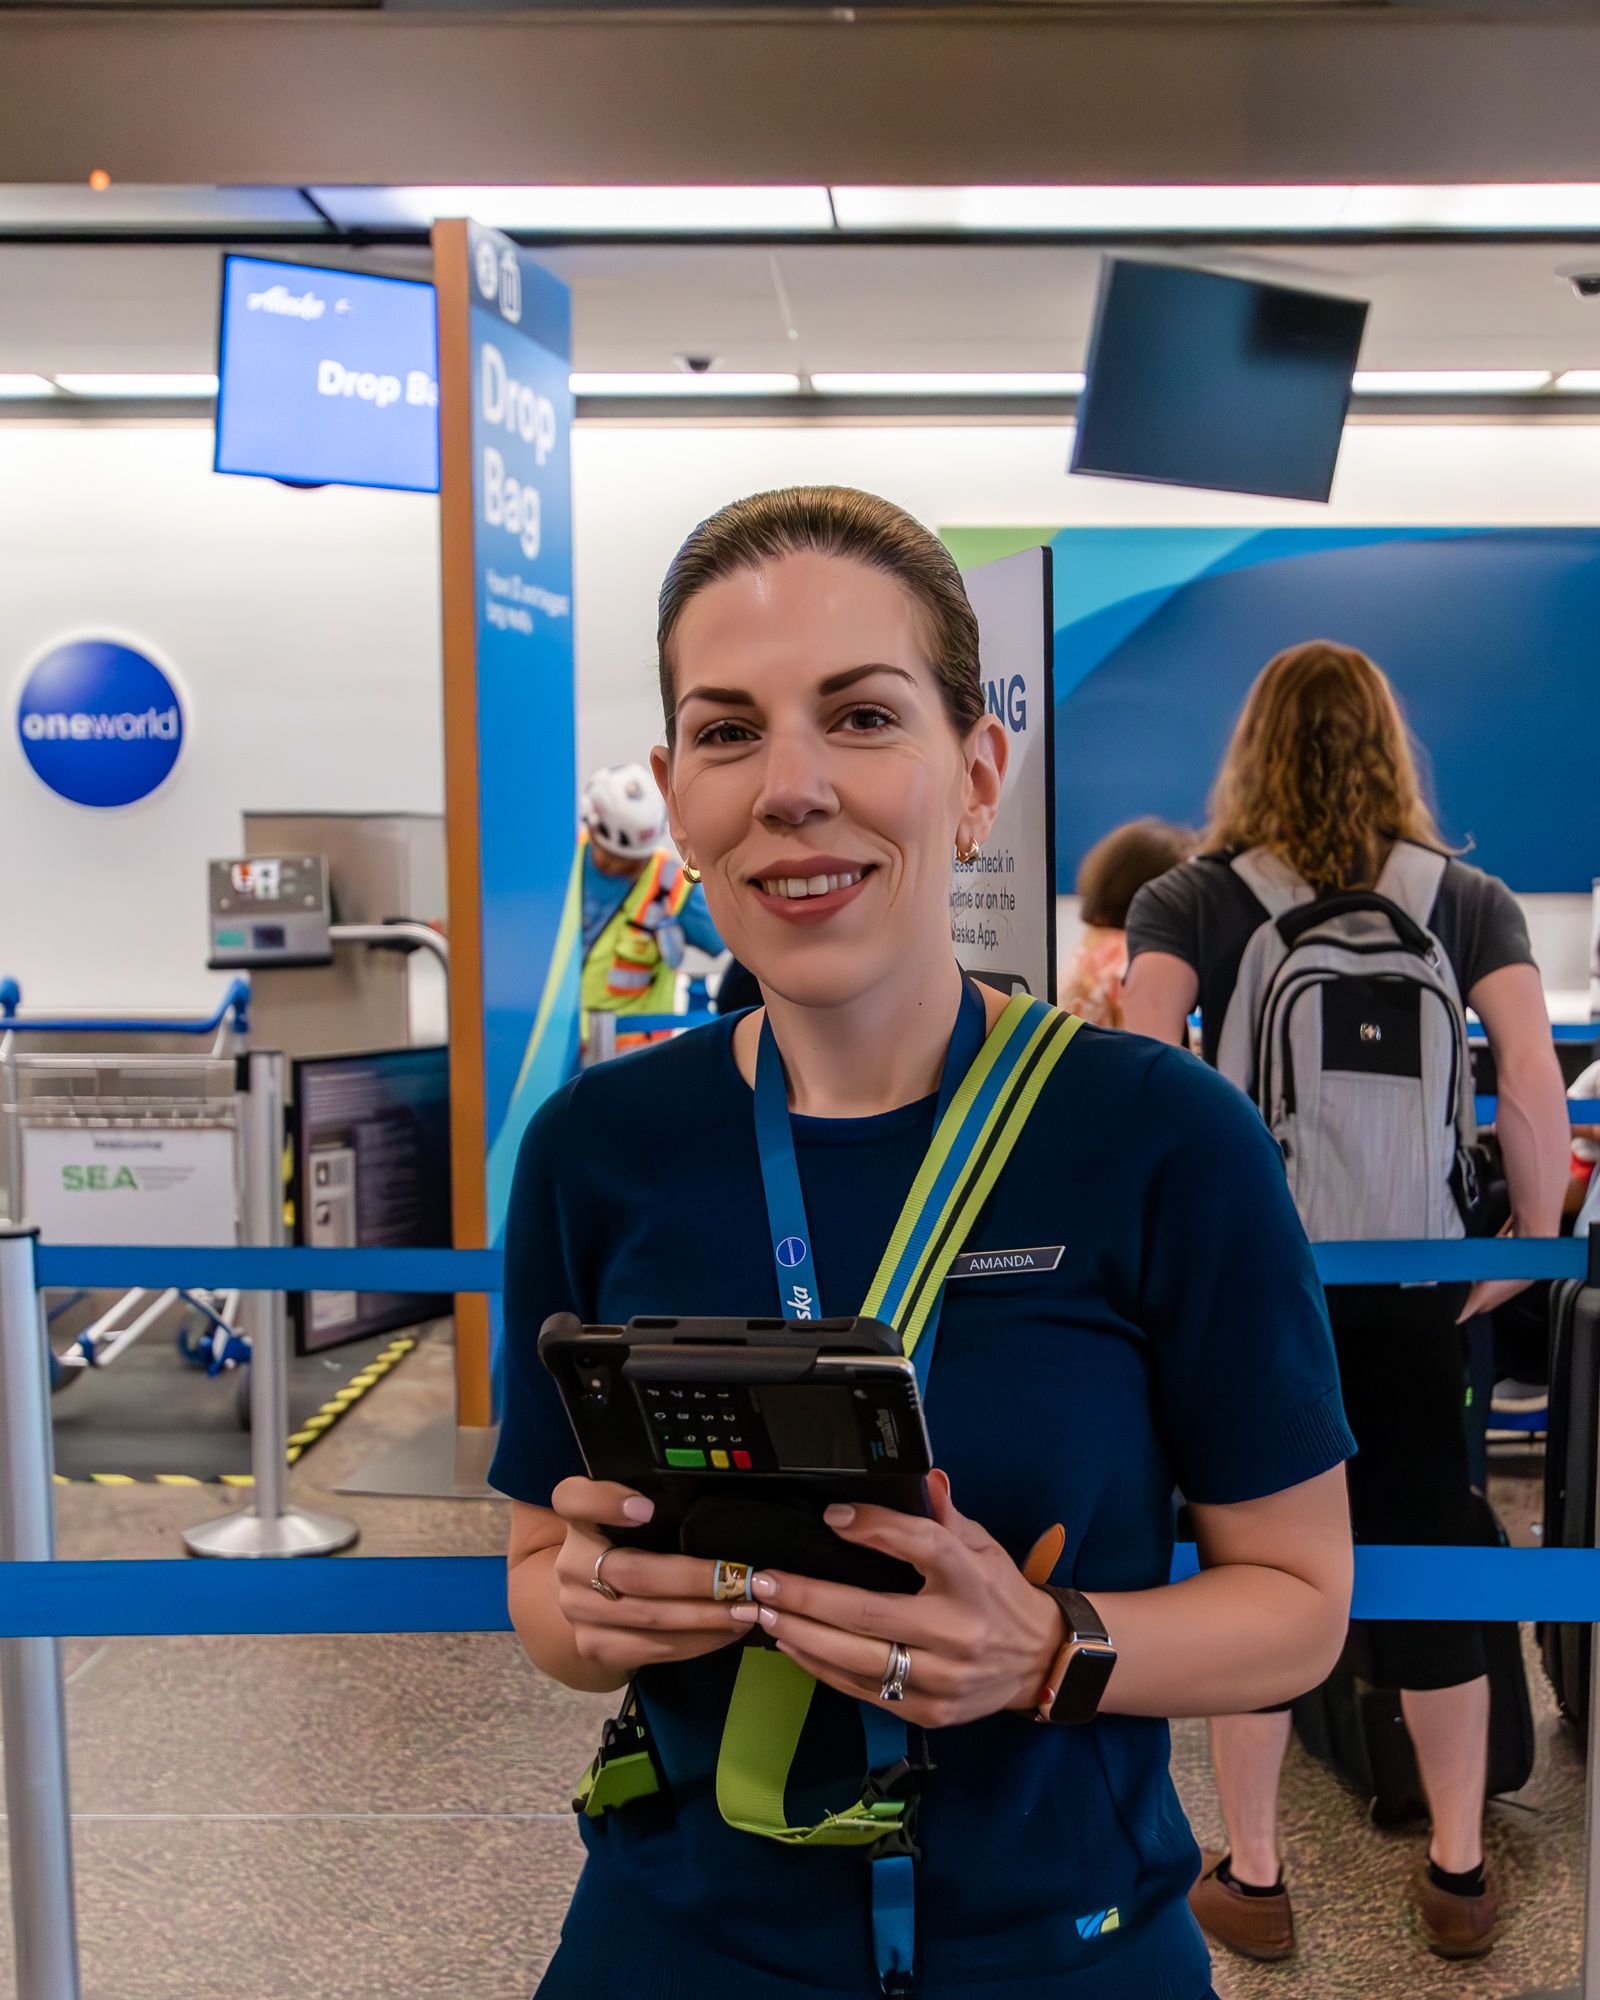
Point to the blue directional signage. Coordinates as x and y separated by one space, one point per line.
520 319
327 377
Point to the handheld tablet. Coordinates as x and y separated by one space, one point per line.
743 1430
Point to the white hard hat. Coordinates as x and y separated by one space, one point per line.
623 810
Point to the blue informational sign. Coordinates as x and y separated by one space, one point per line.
527 778
327 377
100 723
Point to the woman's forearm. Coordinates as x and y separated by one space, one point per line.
547 1638
1224 1642
1531 1122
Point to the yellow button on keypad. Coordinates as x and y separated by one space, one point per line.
720 1460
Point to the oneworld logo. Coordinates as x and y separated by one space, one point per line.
57 726
99 723
279 299
792 1251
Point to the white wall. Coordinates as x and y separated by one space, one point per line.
303 627
303 631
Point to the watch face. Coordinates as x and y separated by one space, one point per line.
1084 1682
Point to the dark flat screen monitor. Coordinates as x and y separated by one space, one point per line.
1199 380
327 378
372 1172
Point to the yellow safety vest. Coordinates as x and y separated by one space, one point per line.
625 972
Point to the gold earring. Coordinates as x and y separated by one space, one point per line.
690 872
969 856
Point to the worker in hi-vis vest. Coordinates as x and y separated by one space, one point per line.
640 910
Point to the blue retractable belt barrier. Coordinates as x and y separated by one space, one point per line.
1560 1031
1580 1110
1428 1263
397 1594
214 1269
656 1024
217 1269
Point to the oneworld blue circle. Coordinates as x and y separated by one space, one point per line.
100 723
791 1251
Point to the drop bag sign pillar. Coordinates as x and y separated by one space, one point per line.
1003 905
505 428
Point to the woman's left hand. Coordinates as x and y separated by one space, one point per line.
980 1636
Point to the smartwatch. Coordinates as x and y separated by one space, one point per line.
1079 1673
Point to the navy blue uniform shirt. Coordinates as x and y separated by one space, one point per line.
1181 1343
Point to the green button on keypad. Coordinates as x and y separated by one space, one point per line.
686 1461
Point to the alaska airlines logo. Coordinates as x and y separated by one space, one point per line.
799 1303
1098 1925
279 299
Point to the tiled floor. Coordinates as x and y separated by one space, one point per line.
387 1819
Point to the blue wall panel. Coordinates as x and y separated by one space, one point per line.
1491 637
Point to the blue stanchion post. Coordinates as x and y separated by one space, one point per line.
32 1698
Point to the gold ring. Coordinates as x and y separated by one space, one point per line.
598 1582
730 1582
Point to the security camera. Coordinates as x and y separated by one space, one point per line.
1585 283
702 364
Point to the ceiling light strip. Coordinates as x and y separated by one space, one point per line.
582 211
1451 381
1296 210
950 384
710 383
175 386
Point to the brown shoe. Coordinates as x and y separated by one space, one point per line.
1456 1926
1255 1926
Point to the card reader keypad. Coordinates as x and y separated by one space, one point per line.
697 1429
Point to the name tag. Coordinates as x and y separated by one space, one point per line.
1000 1263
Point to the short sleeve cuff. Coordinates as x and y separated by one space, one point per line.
1310 1440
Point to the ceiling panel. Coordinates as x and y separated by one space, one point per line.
864 309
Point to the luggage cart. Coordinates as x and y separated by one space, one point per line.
128 1130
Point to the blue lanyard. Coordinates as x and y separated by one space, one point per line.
798 1292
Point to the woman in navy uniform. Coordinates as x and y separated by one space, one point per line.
827 754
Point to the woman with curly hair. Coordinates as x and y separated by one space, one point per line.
1320 778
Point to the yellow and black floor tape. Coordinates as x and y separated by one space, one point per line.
300 1441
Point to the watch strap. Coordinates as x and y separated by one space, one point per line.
1083 1621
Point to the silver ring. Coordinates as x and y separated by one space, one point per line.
598 1582
896 1676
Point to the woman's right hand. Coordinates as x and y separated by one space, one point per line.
664 1609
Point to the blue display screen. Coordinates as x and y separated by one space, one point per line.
1200 380
327 377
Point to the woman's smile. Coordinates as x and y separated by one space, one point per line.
808 889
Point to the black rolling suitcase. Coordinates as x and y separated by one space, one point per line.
1359 1732
1569 1471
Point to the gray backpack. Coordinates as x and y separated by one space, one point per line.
1347 1029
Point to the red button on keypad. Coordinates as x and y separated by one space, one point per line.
742 1460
